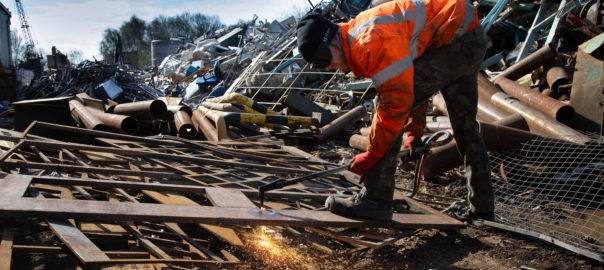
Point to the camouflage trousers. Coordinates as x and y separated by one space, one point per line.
451 69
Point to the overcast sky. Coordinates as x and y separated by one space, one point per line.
79 24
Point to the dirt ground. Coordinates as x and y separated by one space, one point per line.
470 248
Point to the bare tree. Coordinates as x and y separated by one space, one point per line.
75 56
17 46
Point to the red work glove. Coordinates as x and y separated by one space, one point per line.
361 164
413 144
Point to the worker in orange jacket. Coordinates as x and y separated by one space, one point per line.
410 49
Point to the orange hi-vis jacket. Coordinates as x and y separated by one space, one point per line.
381 43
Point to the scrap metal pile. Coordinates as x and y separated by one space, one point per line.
162 167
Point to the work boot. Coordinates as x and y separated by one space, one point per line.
462 212
360 207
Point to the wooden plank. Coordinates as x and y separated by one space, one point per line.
226 197
6 246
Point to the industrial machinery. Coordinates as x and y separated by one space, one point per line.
32 58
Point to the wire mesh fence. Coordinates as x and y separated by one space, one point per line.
554 188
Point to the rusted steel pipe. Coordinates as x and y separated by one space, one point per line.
88 119
547 105
487 112
202 124
116 122
359 142
496 138
142 110
184 125
341 123
538 121
544 55
557 76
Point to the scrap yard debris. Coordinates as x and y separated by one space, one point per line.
105 165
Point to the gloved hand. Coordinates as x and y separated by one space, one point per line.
414 145
361 164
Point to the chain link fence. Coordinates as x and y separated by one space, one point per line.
553 190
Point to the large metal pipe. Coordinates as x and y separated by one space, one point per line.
547 105
544 55
88 119
487 112
116 122
447 157
538 121
341 123
203 125
142 110
436 123
557 76
184 125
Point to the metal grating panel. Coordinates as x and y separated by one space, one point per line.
555 189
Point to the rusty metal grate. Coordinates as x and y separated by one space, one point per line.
553 190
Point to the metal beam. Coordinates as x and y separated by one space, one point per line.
100 210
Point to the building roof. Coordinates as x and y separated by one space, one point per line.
3 8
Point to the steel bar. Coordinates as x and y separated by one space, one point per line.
100 210
236 97
142 110
202 124
544 55
68 181
84 169
538 24
130 152
547 105
104 134
584 252
232 118
83 114
341 123
204 263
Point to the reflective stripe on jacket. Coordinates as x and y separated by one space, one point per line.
381 43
